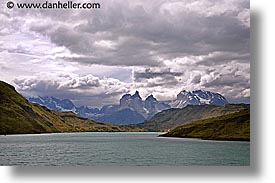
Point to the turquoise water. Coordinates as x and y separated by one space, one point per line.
118 149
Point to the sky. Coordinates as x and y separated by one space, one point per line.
157 47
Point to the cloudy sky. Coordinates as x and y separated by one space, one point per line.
157 47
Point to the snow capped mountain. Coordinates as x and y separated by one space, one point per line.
198 97
54 103
86 112
132 108
65 105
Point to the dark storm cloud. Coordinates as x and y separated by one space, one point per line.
166 74
138 33
151 77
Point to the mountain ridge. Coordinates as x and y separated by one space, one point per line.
133 105
18 116
171 118
198 97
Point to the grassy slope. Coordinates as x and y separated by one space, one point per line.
235 126
17 116
172 118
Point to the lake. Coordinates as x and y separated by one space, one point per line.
119 149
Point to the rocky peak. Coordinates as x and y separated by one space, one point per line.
126 96
183 94
136 95
150 98
124 99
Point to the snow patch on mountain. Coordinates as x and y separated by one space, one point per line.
198 97
132 108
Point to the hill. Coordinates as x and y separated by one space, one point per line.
18 116
235 126
171 118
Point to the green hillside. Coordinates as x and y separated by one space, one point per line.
235 126
18 116
172 118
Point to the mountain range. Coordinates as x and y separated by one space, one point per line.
18 116
132 109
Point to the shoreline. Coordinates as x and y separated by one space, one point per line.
210 139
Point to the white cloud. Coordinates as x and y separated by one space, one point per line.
105 44
85 90
157 47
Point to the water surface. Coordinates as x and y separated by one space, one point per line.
119 149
